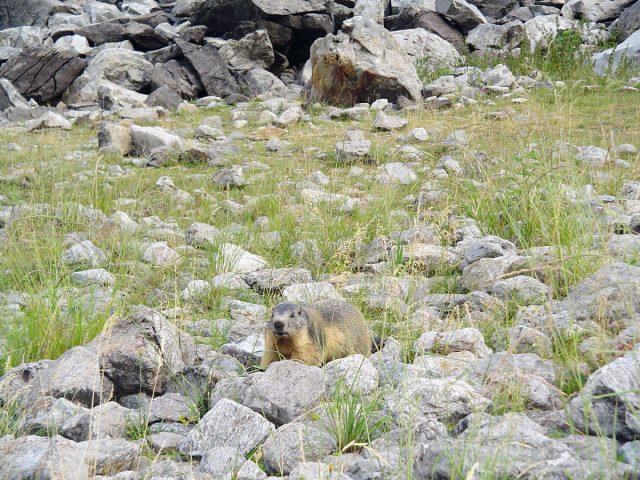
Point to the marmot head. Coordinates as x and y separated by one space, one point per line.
287 319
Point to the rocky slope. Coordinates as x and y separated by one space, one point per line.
170 170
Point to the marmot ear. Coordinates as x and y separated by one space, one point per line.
300 311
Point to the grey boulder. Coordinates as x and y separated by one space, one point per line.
293 444
285 391
420 44
227 424
609 403
362 63
611 59
140 352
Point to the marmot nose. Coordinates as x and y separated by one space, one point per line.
278 325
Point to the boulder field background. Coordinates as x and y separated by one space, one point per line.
464 172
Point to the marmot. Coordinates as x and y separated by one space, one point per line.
316 333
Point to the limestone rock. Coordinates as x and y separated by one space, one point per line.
227 424
250 52
10 97
76 376
595 10
124 68
140 352
211 68
362 63
293 444
609 402
43 73
285 391
237 260
423 46
628 51
41 457
354 372
146 139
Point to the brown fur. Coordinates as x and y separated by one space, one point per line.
320 332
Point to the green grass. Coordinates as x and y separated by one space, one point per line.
520 198
519 191
351 418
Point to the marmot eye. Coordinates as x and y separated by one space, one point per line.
293 315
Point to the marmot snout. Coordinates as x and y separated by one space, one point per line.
316 333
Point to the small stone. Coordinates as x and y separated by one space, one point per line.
293 444
457 139
84 252
499 76
196 289
443 343
165 442
380 104
397 173
310 292
229 177
355 372
115 138
592 156
625 149
276 279
289 117
96 276
419 134
234 259
161 255
389 122
354 146
48 120
522 289
146 139
202 235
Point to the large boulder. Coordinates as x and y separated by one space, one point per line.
227 424
42 458
495 8
542 30
489 36
361 63
16 13
43 73
210 67
629 21
140 352
292 25
612 294
595 10
609 403
223 16
462 13
285 391
251 51
125 68
75 376
513 446
177 75
24 37
610 59
10 97
418 16
431 51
